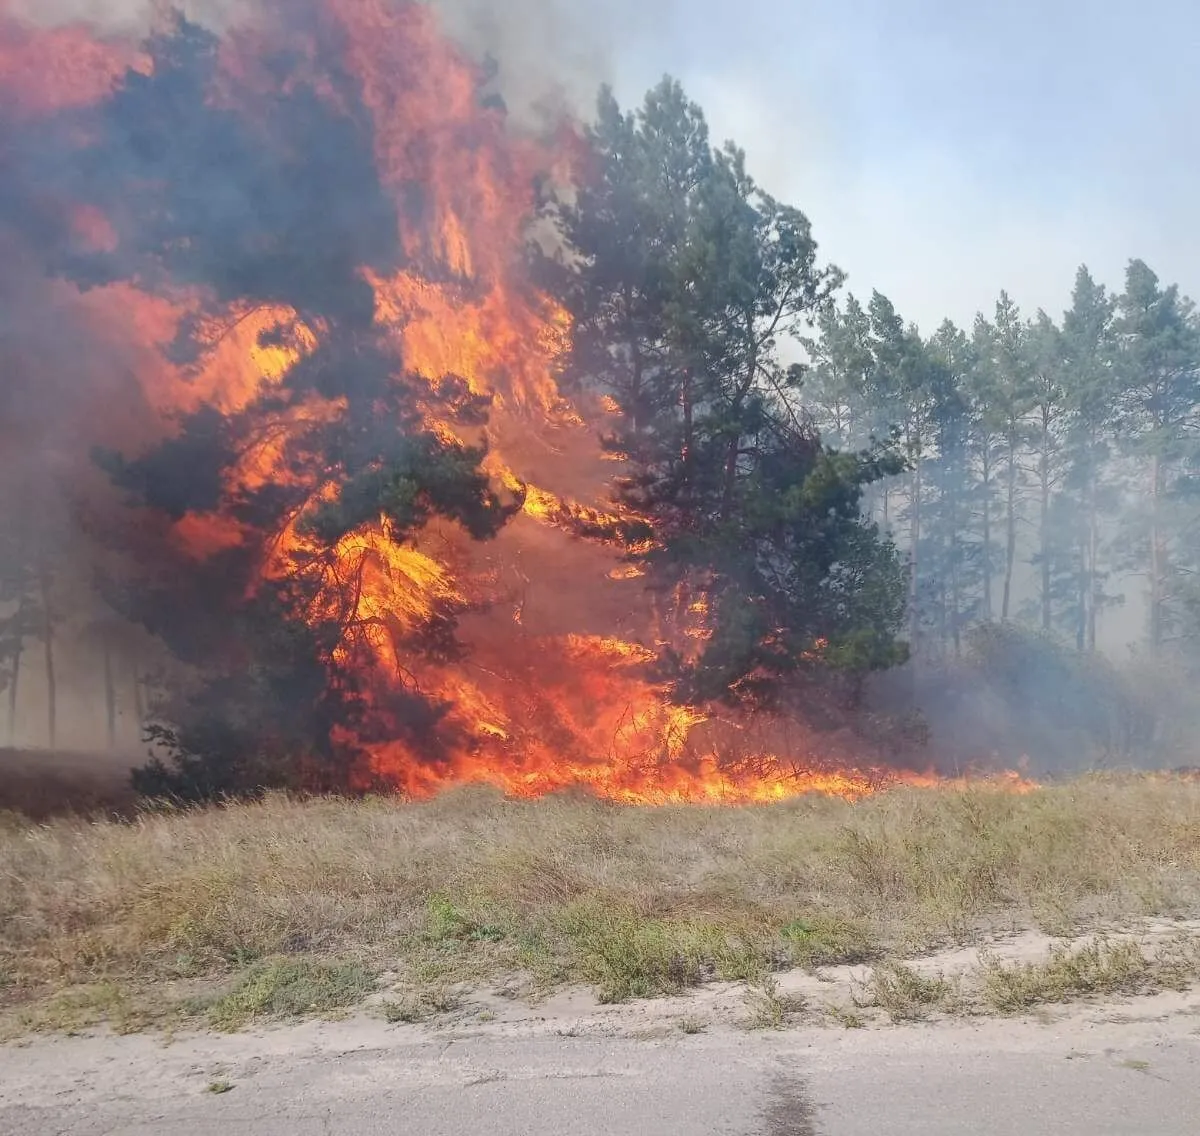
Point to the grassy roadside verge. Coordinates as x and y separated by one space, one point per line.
227 915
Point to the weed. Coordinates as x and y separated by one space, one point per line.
904 993
446 922
285 987
847 1017
81 1007
419 1007
1098 967
692 1025
630 957
824 940
771 1008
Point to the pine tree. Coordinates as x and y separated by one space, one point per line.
1159 415
1088 347
752 514
959 571
1050 421
1002 394
279 651
838 377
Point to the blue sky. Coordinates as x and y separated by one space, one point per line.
943 149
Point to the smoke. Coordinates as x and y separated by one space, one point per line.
553 49
550 54
126 17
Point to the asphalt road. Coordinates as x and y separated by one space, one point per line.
990 1079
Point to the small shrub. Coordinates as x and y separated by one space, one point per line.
628 956
445 922
421 1005
1099 967
904 993
771 1008
283 988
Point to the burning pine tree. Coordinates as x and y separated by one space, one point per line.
410 497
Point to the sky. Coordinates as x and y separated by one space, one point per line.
944 149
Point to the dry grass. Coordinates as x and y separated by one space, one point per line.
905 994
1101 967
634 901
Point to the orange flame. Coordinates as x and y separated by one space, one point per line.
556 688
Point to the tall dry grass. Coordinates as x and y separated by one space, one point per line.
634 900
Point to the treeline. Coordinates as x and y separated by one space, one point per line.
1052 465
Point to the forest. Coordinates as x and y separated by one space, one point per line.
833 493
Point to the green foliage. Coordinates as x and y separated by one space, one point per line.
692 276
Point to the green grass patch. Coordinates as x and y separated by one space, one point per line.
82 1007
288 988
628 956
827 940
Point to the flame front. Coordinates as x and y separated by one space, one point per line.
551 691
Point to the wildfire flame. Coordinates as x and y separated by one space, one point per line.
553 689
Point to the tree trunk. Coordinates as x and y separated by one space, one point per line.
987 534
635 399
1010 547
689 433
51 672
955 579
13 687
915 542
1081 597
731 459
1044 535
139 700
1093 601
1157 557
110 695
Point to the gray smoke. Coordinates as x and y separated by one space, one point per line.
551 53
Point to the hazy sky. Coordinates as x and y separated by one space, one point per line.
946 149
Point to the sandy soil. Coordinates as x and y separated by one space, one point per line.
567 1065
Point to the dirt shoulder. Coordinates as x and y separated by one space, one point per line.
567 1063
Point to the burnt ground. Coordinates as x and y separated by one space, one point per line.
44 784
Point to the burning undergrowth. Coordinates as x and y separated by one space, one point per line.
379 472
